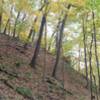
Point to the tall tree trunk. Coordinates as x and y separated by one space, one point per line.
9 29
94 78
95 44
34 33
5 29
59 43
14 31
36 51
28 38
59 46
0 21
79 60
49 46
1 12
53 34
33 36
90 65
45 51
8 22
85 53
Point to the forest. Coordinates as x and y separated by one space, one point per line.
49 49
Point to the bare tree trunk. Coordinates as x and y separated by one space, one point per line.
95 44
14 31
36 51
90 65
59 46
4 32
0 21
28 38
1 15
34 33
79 60
33 36
59 43
95 86
85 53
8 22
45 51
49 46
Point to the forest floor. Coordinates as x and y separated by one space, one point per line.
18 81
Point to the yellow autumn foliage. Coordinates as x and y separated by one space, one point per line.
23 36
4 18
23 5
55 7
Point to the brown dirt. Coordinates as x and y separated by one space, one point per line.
15 59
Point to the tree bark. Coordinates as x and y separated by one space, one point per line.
53 34
95 44
36 51
1 15
5 29
90 65
85 53
59 45
0 21
28 38
14 31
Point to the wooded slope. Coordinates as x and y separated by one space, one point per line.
18 81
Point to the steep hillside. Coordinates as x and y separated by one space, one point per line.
18 81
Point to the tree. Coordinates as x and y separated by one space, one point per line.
59 42
1 12
43 22
85 53
33 61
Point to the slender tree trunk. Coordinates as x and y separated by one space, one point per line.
5 29
33 36
95 87
14 31
9 23
45 51
49 46
59 43
85 53
59 46
95 44
79 60
36 51
28 38
90 65
34 33
9 28
53 34
0 21
1 13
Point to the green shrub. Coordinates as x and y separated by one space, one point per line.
24 91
